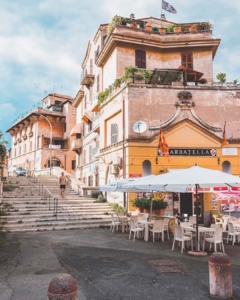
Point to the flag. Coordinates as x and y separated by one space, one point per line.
162 145
168 7
224 138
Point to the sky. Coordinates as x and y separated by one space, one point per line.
43 43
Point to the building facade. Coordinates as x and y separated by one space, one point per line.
172 87
42 138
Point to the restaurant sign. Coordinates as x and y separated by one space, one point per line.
193 152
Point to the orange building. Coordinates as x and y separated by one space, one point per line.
42 137
173 86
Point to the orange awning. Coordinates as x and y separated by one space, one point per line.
95 108
76 129
87 117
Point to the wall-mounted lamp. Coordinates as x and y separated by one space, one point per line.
218 160
156 160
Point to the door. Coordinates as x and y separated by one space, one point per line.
186 204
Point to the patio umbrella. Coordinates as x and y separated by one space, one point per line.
193 177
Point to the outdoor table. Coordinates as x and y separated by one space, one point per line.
123 219
146 223
201 231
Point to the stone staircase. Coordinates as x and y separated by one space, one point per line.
26 210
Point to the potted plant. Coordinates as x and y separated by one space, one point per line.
174 28
159 207
138 204
139 77
193 28
162 30
129 73
148 26
116 20
134 24
177 29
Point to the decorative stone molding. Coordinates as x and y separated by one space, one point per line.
184 95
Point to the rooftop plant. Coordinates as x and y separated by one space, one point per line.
116 20
221 77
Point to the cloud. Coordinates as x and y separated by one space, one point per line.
43 42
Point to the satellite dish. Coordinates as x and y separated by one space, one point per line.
139 127
95 152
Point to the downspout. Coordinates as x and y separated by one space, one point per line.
123 150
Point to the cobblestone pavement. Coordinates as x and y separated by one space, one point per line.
107 266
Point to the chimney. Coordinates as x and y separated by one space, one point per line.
132 16
163 17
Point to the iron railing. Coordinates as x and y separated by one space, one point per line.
47 196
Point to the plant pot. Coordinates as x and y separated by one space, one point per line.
162 30
146 210
177 29
148 27
139 209
192 29
133 25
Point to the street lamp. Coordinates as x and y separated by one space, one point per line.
50 137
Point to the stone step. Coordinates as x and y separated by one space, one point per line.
66 227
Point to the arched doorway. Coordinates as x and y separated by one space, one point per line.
146 168
226 167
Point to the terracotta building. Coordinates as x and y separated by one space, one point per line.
173 86
42 137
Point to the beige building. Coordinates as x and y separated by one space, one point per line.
172 87
42 137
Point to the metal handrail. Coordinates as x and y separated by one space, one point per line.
46 195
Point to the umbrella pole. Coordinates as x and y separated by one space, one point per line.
151 207
197 242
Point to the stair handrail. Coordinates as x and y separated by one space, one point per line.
46 195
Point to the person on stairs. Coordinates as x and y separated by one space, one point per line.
62 182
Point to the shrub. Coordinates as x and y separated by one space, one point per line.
100 199
221 77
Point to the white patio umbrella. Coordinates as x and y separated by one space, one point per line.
193 177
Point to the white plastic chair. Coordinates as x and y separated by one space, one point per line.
158 227
217 238
211 234
114 223
133 228
181 237
232 233
192 220
166 225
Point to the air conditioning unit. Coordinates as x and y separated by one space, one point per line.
113 169
117 161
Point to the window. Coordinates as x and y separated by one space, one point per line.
140 59
187 60
84 157
30 148
65 127
90 153
78 135
114 133
85 102
146 168
89 126
73 164
91 66
98 84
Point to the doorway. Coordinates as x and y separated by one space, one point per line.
186 204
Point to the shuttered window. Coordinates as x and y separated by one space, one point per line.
114 133
140 58
98 83
187 60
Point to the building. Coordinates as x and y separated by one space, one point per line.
169 82
41 138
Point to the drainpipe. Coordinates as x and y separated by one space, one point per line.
123 151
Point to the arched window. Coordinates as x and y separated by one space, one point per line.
226 167
114 133
146 168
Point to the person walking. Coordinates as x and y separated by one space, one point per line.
62 182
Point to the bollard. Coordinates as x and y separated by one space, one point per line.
63 287
220 276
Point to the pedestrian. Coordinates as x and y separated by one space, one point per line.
62 182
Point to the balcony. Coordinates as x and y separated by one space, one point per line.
96 124
87 77
76 144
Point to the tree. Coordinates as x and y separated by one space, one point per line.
221 77
3 149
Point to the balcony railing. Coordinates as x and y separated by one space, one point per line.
87 77
76 144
